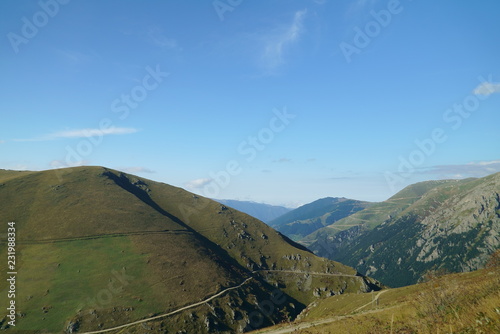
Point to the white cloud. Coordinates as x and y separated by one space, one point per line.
487 88
56 164
472 169
364 3
3 141
137 170
487 163
74 57
155 36
292 204
360 5
283 160
82 133
279 40
17 166
198 183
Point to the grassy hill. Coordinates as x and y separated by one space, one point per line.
97 248
377 213
308 218
457 303
453 224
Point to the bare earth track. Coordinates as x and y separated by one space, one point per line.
305 325
223 292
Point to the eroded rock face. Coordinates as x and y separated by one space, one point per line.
73 326
464 224
454 226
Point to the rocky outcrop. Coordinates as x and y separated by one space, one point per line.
453 226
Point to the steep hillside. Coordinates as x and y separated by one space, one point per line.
308 218
261 211
453 225
457 303
97 249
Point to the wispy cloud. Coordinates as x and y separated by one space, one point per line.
18 166
344 178
76 58
283 160
82 133
56 164
279 40
487 88
153 35
3 141
137 169
198 183
92 132
360 5
358 12
156 36
472 169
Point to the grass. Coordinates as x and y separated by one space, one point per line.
454 303
311 217
53 286
410 197
77 226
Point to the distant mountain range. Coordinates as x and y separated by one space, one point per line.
99 249
261 211
451 225
308 218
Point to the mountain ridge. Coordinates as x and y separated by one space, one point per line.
449 224
310 217
86 233
262 211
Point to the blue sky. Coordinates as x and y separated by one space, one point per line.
282 102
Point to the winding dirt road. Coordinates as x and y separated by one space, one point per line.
171 313
305 325
300 326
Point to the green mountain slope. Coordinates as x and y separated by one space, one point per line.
97 248
308 218
452 225
455 303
